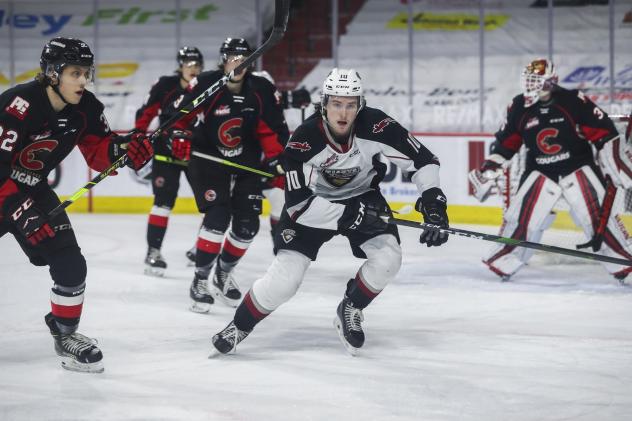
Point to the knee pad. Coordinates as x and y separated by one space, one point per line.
67 267
384 258
281 280
216 218
245 227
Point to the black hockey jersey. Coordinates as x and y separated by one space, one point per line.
557 133
236 127
159 103
320 171
34 138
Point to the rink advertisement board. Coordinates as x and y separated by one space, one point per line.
127 192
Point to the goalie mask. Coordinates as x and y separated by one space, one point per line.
537 80
60 52
342 82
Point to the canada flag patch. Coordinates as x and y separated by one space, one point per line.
18 107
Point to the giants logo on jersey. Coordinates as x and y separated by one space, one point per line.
28 156
340 177
545 141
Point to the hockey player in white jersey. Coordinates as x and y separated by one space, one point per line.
333 169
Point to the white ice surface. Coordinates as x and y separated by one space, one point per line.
445 341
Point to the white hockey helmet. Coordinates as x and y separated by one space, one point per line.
342 82
537 79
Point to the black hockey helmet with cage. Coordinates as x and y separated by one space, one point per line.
189 54
60 51
233 47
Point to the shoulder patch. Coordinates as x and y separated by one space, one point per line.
299 146
381 125
18 107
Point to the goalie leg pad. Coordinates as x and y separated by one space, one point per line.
281 280
528 215
584 191
615 160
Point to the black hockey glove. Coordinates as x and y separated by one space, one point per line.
433 204
135 145
273 166
30 221
298 98
364 217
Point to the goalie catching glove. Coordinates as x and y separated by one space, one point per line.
433 205
484 179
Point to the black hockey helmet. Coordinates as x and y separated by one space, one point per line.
188 54
233 47
59 52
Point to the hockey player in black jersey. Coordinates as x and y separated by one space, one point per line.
240 123
173 151
559 128
41 122
333 168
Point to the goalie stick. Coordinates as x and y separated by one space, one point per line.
281 14
510 241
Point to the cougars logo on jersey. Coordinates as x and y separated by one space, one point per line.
29 155
229 135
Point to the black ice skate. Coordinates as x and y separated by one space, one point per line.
155 264
191 256
226 341
202 299
225 288
348 324
76 351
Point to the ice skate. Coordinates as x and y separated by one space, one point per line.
226 341
200 296
76 351
348 324
155 264
190 254
225 288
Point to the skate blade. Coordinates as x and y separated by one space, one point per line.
353 351
157 272
214 353
190 263
224 299
200 307
72 365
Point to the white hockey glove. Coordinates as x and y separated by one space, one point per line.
484 179
615 160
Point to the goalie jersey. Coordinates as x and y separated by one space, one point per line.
320 171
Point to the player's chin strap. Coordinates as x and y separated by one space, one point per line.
56 90
509 241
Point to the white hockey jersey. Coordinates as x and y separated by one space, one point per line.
320 171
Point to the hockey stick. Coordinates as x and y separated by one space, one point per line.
281 14
511 241
171 160
604 216
231 164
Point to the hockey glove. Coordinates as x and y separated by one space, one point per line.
180 144
364 217
29 220
492 166
298 98
273 166
433 204
135 145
